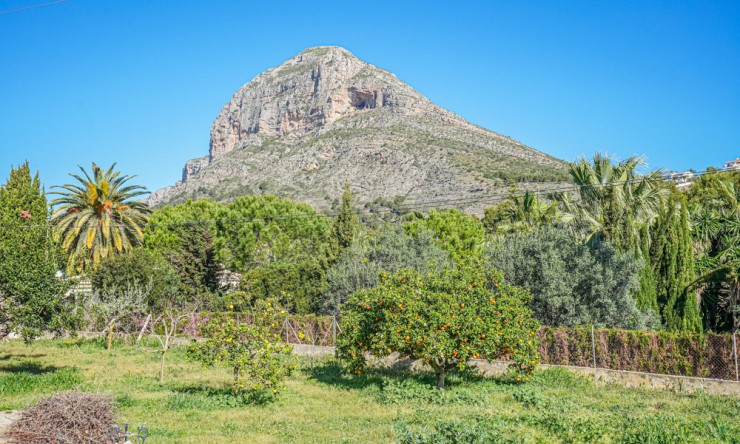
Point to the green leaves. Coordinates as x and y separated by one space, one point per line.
260 360
460 234
443 318
573 283
388 250
614 200
672 258
519 213
715 215
32 299
98 218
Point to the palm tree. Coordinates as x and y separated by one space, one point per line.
98 217
716 227
520 213
614 200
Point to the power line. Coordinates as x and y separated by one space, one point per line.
418 205
25 8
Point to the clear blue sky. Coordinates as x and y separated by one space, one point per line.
139 82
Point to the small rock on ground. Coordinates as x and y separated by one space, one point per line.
6 419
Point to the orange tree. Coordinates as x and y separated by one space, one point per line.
444 318
257 355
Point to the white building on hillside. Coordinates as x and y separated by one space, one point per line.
732 165
682 180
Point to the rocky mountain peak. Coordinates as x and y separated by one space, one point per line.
305 94
325 118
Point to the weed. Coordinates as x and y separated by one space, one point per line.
412 390
657 430
529 397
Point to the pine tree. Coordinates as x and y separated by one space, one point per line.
32 298
673 267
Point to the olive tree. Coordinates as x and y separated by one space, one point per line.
572 283
390 250
110 305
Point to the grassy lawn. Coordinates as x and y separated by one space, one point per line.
320 405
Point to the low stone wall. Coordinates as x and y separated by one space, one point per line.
312 350
682 384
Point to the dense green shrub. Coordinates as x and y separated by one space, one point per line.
392 249
572 283
297 286
32 298
142 268
462 235
259 359
444 318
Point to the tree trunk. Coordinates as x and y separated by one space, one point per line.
110 336
143 329
236 377
161 368
440 379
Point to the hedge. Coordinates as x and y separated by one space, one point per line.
674 353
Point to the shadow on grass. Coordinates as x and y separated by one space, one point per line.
9 356
331 373
32 378
33 368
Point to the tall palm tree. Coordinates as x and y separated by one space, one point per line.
98 217
613 200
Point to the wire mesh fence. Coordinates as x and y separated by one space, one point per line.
670 353
705 355
661 352
307 330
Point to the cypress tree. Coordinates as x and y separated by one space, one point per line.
673 267
690 313
32 298
646 296
346 225
194 261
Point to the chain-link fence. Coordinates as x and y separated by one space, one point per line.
707 355
669 353
307 330
661 352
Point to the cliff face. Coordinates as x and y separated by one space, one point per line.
325 118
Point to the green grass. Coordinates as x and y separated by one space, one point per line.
323 405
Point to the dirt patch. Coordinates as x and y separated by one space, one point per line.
7 418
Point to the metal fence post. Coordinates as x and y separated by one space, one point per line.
287 333
593 344
734 352
334 332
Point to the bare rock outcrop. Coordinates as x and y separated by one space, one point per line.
325 118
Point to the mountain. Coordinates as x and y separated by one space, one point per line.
325 118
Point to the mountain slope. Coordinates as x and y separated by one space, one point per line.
325 118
